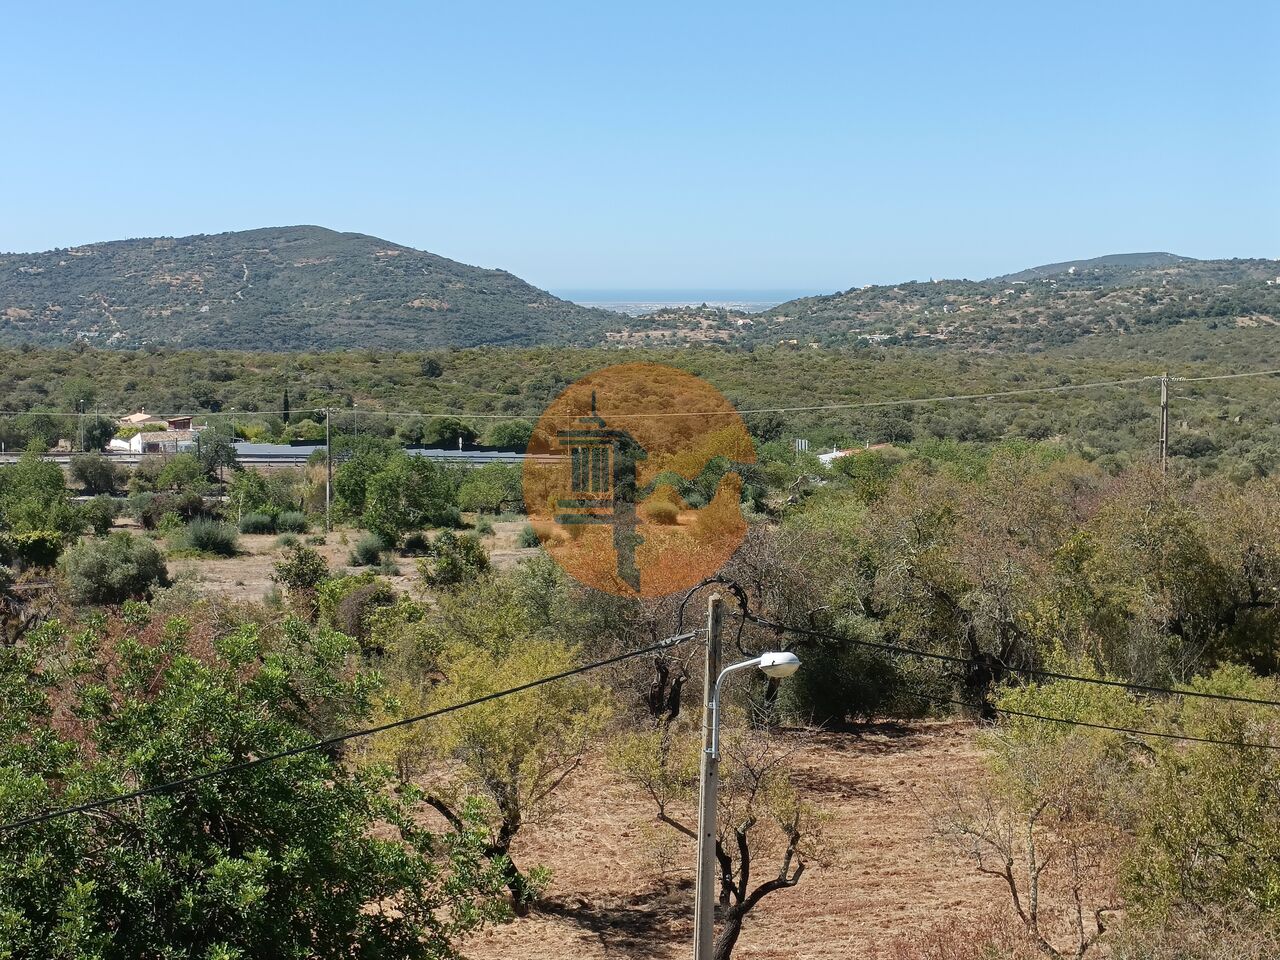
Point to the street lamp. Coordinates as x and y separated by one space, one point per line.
776 666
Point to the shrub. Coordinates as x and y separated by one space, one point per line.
453 560
149 508
317 540
31 548
368 551
662 513
113 569
288 540
101 512
348 603
95 473
417 545
528 537
292 521
210 536
257 523
484 527
301 569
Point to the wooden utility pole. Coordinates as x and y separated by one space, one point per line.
704 912
1164 422
328 472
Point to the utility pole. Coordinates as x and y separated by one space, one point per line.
80 405
704 911
1164 422
328 472
1165 380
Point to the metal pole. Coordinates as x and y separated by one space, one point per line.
704 912
328 473
1164 422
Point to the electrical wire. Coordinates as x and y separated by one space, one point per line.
1029 671
1135 731
184 782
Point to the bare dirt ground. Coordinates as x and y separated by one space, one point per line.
247 576
891 876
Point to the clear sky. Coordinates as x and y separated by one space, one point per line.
652 144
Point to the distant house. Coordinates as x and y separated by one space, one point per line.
156 441
142 419
831 457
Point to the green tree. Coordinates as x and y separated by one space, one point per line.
514 753
34 497
113 569
300 857
95 473
97 431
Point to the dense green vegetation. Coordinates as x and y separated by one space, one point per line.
1231 426
1031 310
281 288
1015 533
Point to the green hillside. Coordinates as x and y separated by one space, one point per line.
1033 309
279 288
1114 263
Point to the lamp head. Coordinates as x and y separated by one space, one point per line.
777 666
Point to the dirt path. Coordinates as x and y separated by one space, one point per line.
890 876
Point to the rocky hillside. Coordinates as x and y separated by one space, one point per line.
279 288
1035 308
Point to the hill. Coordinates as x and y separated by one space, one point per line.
1115 262
279 288
1035 308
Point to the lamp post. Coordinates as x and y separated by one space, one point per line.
776 666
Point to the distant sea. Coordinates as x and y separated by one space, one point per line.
637 302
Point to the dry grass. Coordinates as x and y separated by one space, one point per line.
891 874
247 576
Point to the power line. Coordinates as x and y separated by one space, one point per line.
1029 671
1230 376
331 741
1135 731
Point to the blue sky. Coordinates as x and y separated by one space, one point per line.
655 145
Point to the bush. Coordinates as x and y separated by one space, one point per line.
113 569
348 603
528 537
662 513
101 513
149 508
257 523
32 548
288 540
210 536
417 545
301 569
453 560
484 527
844 681
95 473
292 521
368 551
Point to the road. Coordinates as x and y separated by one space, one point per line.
281 455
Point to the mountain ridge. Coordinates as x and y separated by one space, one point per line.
301 287
307 287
